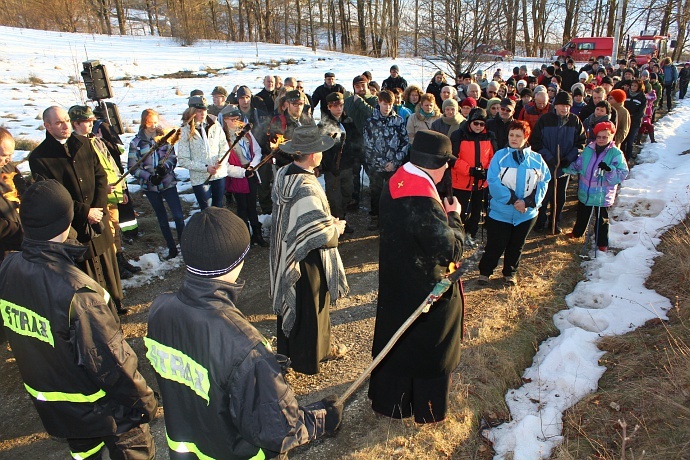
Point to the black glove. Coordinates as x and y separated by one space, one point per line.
604 166
156 179
478 173
161 171
334 414
248 173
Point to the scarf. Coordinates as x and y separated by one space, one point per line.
301 223
424 114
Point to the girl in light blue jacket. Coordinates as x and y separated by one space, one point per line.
518 179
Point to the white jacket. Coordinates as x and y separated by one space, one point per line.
196 153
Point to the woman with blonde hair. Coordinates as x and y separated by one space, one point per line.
200 149
424 115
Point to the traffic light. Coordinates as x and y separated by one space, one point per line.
96 81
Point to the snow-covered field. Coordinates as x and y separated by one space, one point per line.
612 300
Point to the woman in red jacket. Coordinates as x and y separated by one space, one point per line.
474 147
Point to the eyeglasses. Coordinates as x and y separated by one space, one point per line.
300 87
478 123
505 109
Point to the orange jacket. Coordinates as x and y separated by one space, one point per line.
467 145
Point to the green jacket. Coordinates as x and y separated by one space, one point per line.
361 109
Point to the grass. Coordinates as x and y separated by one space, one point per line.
645 392
24 143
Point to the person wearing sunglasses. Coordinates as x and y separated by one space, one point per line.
474 147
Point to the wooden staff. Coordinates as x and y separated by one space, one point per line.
435 294
160 143
239 137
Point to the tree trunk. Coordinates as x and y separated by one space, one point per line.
416 27
361 26
344 36
298 32
121 20
525 29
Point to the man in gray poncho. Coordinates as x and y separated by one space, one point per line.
307 274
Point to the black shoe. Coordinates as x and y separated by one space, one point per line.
172 253
122 311
258 239
125 274
125 265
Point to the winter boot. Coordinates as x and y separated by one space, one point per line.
124 273
257 238
651 137
123 262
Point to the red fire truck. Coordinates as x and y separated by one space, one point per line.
646 46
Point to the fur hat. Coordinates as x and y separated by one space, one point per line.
563 98
215 241
477 114
618 95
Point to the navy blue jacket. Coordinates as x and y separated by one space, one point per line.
551 136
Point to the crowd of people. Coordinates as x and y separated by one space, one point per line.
440 163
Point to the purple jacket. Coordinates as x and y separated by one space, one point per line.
598 187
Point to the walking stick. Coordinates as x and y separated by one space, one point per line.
555 190
435 294
239 137
160 143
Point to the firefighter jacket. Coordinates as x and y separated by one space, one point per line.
225 395
65 335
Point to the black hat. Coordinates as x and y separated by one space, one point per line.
394 67
608 80
431 149
47 210
334 97
214 242
243 91
510 82
219 90
196 92
329 74
469 75
577 92
198 102
307 139
526 92
652 76
623 61
563 98
508 102
293 96
550 70
359 79
477 114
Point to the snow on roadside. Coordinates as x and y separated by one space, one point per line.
611 300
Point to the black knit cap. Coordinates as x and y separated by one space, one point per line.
47 210
214 242
430 149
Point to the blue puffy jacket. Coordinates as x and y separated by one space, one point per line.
516 175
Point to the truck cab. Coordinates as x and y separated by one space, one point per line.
643 48
583 48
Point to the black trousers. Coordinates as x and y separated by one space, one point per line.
601 230
682 88
264 190
338 191
548 199
472 203
669 90
135 444
377 180
356 177
246 203
402 397
503 238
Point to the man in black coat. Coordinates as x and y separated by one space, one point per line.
500 123
70 159
420 237
329 86
569 75
268 94
395 80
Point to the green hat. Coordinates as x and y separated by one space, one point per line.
81 113
334 97
219 90
198 102
307 139
292 96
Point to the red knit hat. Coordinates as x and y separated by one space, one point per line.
605 126
469 102
618 95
